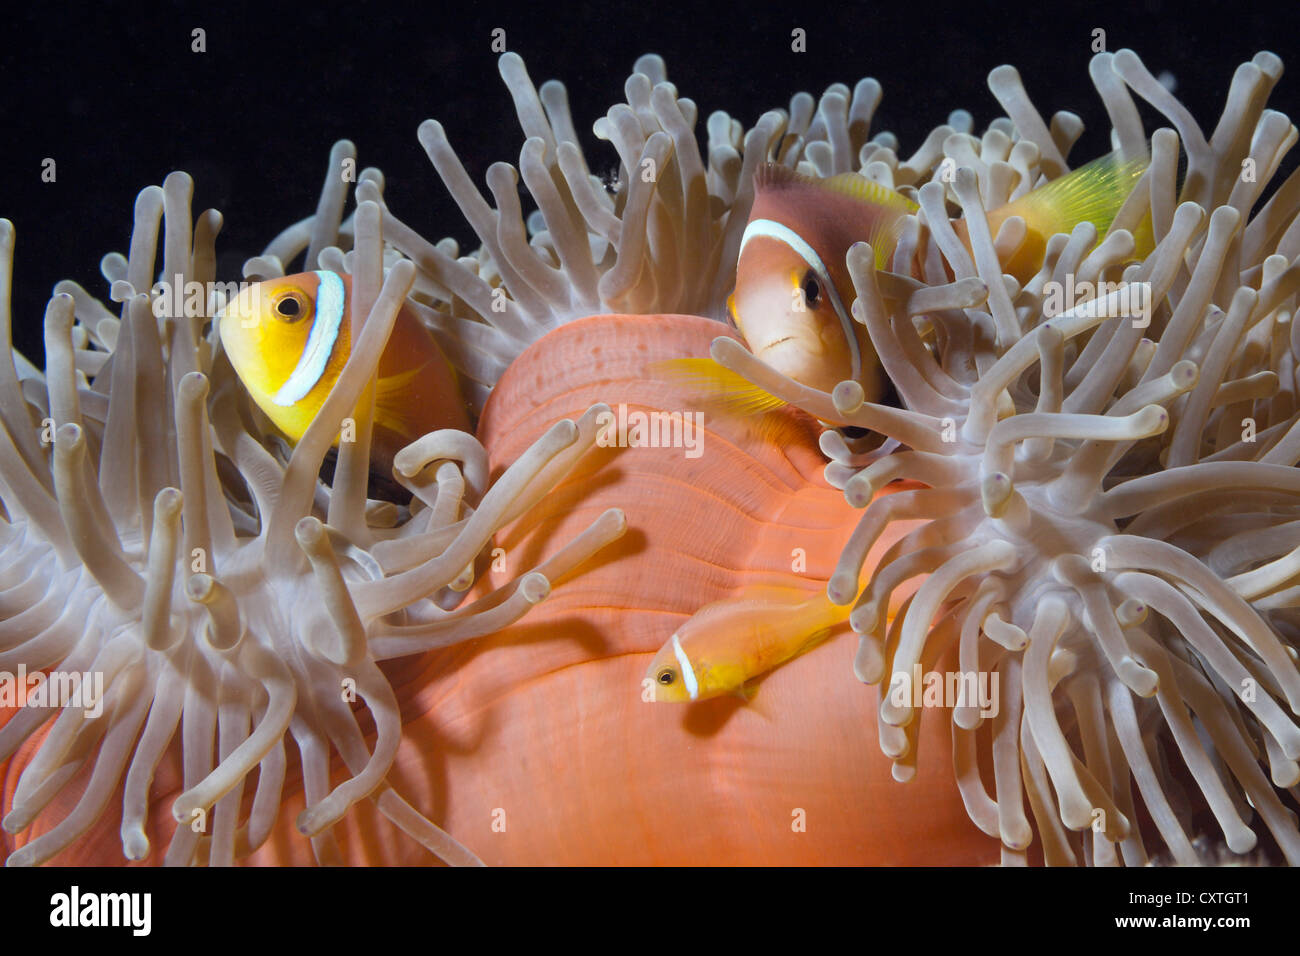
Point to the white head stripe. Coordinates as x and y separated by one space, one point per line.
330 301
783 233
688 672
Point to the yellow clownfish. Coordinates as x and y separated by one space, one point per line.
727 643
793 290
289 339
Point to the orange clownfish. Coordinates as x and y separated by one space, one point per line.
793 291
289 339
729 642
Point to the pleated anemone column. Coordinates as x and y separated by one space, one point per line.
157 540
1112 501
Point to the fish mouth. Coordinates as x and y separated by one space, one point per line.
771 345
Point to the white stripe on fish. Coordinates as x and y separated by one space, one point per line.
688 672
783 233
330 302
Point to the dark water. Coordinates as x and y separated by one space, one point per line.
119 99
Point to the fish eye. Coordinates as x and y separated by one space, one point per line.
289 307
666 676
812 289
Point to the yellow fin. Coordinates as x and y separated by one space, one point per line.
882 208
391 400
854 185
816 639
1144 237
868 190
1092 193
723 386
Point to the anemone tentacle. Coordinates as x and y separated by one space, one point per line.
1109 508
188 566
1137 610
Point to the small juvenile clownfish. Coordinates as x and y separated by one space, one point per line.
729 642
289 339
793 291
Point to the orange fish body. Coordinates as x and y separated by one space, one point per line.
794 293
727 643
289 339
793 290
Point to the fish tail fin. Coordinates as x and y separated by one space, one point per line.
731 391
1093 193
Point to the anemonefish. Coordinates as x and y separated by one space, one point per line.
793 292
728 643
289 339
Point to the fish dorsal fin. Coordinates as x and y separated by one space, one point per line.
853 185
1093 193
868 190
877 211
727 389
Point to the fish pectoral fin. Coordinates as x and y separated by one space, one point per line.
749 694
391 401
816 638
727 389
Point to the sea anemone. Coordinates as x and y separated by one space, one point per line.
1077 538
161 544
1111 497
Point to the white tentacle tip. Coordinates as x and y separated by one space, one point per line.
869 662
323 815
1240 839
848 397
1017 836
1005 633
1137 677
1131 613
184 807
896 716
135 845
858 491
309 531
534 586
167 503
1184 373
842 588
995 493
21 857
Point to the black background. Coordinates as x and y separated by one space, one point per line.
118 99
514 910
